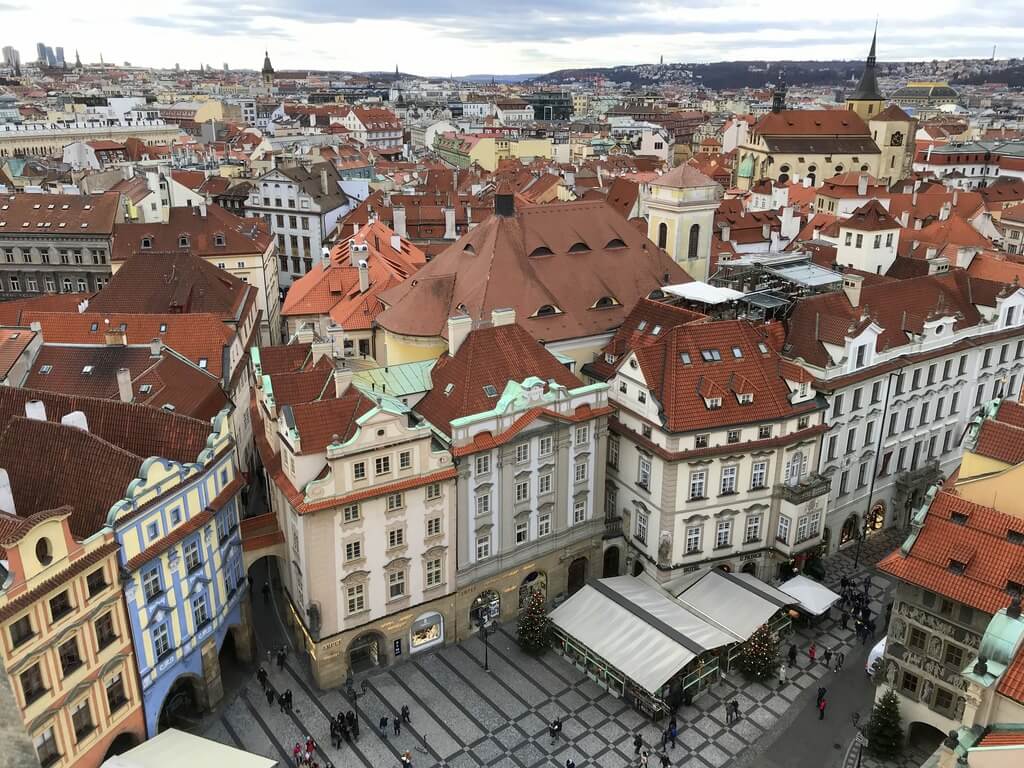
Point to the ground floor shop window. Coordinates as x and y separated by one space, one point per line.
427 631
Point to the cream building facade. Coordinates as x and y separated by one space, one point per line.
680 211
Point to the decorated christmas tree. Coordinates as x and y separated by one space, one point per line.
885 733
757 658
533 628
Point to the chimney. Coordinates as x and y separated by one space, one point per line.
807 182
458 329
398 212
790 225
726 233
937 265
323 182
355 228
342 378
904 219
396 243
928 155
964 256
202 208
35 409
6 494
505 201
851 287
325 257
862 185
956 194
124 385
469 216
449 223
504 316
353 253
364 276
917 224
913 197
766 231
305 334
115 337
156 348
944 211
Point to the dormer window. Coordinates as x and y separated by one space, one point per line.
714 403
745 398
579 247
541 250
547 310
609 358
218 240
183 241
469 249
710 355
147 243
614 243
959 518
956 567
605 302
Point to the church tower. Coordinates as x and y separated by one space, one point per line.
268 71
867 100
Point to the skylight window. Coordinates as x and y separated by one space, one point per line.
448 389
737 352
145 389
711 355
87 370
762 348
202 362
685 358
44 370
163 327
641 325
656 330
94 327
490 390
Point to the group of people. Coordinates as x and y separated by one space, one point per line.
304 754
344 728
643 754
732 711
668 736
855 603
283 699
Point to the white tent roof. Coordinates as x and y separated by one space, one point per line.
637 628
173 748
730 603
813 597
704 293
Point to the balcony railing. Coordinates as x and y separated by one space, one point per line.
612 527
810 487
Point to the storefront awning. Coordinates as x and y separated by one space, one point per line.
174 748
638 629
812 597
731 603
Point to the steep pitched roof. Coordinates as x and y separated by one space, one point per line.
303 386
684 176
286 358
13 343
567 256
487 358
680 377
979 542
811 122
870 217
202 233
318 422
58 215
1001 441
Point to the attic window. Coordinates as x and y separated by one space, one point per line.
641 325
615 243
448 389
218 239
468 248
711 355
745 398
1015 537
183 241
605 302
656 330
579 247
147 243
94 327
737 352
762 347
45 369
163 327
956 567
714 403
541 250
685 358
87 370
609 358
959 518
546 310
656 294
145 389
490 390
202 362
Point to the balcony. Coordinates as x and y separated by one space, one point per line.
811 487
612 527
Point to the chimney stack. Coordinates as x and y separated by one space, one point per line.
449 223
325 257
323 182
862 185
115 337
937 265
459 327
398 213
124 385
504 316
35 409
851 287
342 378
364 276
766 230
944 211
6 494
956 195
156 348
913 197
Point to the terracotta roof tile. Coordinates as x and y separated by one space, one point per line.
811 122
13 343
319 421
240 236
58 215
286 358
870 217
1002 442
1011 412
1012 684
305 386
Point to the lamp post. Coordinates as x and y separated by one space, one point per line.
485 629
352 693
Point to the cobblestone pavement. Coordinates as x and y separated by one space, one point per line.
911 757
464 716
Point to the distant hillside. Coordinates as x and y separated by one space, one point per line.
1012 76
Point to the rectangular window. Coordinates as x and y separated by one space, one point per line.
433 491
200 611
851 439
782 534
546 447
729 479
382 465
759 475
844 480
522 453
579 511
96 582
192 561
483 547
161 641
405 460
693 533
837 406
947 441
698 484
909 683
396 585
350 513
395 501
544 524
355 597
116 697
723 533
522 532
862 473
954 656
104 627
359 470
640 527
580 472
701 441
522 491
831 452
353 550
643 475
801 528
435 573
46 747
924 414
483 464
917 639
396 538
151 584
582 434
860 241
753 532
60 606
434 526
483 504
764 432
21 631
803 422
987 359
876 392
856 398
869 434
732 436
544 483
613 451
31 684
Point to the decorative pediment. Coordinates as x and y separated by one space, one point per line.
356 577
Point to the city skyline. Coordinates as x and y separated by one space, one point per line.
543 36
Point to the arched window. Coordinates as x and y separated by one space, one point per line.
662 235
546 311
694 241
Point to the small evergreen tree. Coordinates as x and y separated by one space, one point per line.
533 629
885 733
758 657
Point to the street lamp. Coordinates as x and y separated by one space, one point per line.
486 630
352 693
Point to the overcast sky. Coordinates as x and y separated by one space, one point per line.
438 37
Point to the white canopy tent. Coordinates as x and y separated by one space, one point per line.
173 748
811 597
703 293
732 603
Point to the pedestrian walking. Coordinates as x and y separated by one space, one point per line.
812 652
821 709
665 761
346 735
867 586
827 657
355 728
280 659
288 699
406 718
782 675
266 592
398 725
297 751
638 742
728 713
270 696
821 693
845 619
840 659
261 676
735 710
570 763
645 756
335 735
672 733
792 655
552 732
558 726
281 702
383 725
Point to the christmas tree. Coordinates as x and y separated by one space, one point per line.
885 733
757 658
533 628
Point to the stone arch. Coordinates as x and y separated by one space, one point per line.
663 235
850 529
367 651
122 743
693 247
486 605
612 556
535 581
749 567
185 696
577 575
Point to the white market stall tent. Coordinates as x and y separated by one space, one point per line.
811 597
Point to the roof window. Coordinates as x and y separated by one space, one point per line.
711 355
684 357
1015 537
737 352
147 243
956 567
202 362
614 243
44 370
163 327
762 347
87 370
579 247
145 389
541 250
468 248
218 239
605 302
641 325
959 518
547 310
183 241
656 330
448 389
490 390
94 327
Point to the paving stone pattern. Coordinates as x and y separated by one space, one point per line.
465 717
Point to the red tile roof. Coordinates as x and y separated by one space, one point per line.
983 537
319 422
240 236
870 217
488 356
1002 442
304 386
1012 684
65 216
286 358
681 387
1011 413
811 122
11 311
13 343
1003 738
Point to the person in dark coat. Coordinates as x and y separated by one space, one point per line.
397 723
406 717
383 725
792 655
270 696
